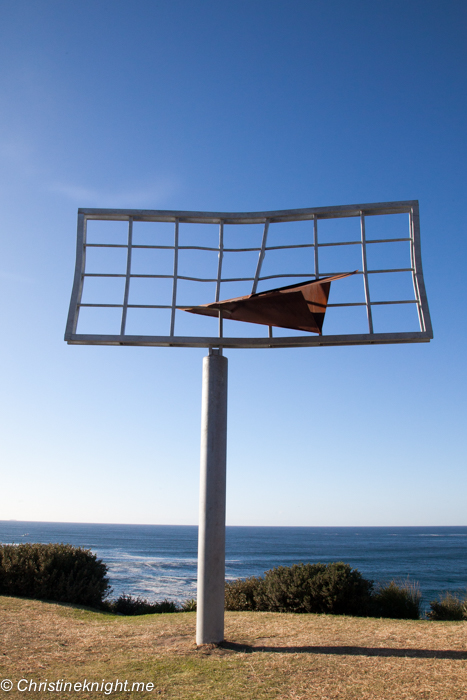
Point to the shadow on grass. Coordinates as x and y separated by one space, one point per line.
350 651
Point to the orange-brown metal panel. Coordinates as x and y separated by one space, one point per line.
298 306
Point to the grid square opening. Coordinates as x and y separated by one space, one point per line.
198 263
103 290
243 236
339 230
204 235
349 290
391 286
106 260
239 265
290 233
99 321
336 259
145 290
285 262
387 256
343 320
107 232
153 233
387 226
395 318
148 322
232 290
191 293
195 325
149 261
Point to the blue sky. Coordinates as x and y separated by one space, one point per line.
233 106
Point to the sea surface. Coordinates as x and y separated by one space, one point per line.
159 561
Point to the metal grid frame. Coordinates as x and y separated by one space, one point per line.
223 219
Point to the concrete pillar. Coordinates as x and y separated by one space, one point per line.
211 536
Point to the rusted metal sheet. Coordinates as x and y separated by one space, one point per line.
298 306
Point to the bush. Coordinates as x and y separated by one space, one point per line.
58 572
303 588
245 594
189 605
127 605
399 600
317 588
450 607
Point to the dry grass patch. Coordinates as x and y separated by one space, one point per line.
266 655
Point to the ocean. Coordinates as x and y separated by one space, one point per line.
159 561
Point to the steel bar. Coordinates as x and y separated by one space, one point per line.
169 306
128 274
315 245
365 274
425 313
219 276
414 276
302 341
284 215
260 258
219 263
235 279
174 288
77 291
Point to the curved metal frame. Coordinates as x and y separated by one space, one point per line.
223 219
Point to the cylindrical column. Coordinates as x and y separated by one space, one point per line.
211 536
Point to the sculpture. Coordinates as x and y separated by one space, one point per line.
299 306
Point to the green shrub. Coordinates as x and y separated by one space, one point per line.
317 588
245 594
303 588
127 605
449 607
189 605
58 572
399 600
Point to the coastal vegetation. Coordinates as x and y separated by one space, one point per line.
128 605
68 574
448 607
303 588
57 572
334 588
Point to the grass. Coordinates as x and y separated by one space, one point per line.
273 656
